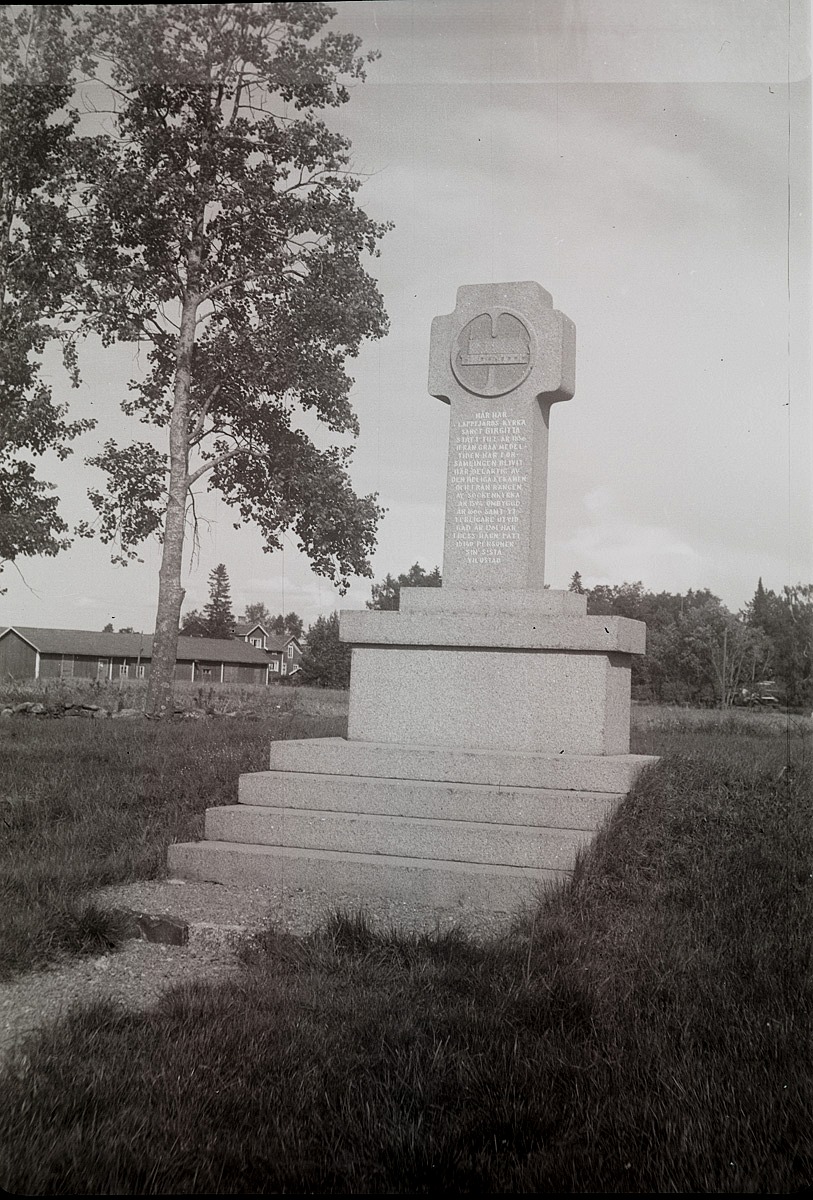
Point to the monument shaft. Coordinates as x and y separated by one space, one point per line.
500 360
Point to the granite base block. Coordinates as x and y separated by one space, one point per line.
554 703
415 836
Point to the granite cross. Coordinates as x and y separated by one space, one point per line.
500 360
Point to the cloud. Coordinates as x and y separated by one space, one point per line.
610 548
614 551
602 40
85 602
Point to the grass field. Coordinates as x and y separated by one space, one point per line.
84 803
646 1030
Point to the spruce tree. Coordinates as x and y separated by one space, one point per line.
217 614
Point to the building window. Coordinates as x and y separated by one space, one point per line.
124 670
273 665
257 641
140 671
290 651
102 668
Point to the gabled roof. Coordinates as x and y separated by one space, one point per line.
243 628
135 645
273 641
279 641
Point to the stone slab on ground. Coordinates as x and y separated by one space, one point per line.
219 913
164 928
138 974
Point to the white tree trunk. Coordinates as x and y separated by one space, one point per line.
170 591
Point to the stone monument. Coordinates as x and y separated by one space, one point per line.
488 731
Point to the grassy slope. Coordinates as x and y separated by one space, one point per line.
647 1031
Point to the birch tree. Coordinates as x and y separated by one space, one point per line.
225 235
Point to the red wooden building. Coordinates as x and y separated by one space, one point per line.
28 653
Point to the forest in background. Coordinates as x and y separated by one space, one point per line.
697 651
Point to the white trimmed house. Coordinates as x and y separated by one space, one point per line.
283 649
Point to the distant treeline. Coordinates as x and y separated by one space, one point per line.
700 652
697 650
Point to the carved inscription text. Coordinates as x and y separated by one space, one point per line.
488 469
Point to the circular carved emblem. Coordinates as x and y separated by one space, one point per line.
493 353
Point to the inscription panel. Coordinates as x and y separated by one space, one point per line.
488 471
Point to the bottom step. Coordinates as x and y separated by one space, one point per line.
414 893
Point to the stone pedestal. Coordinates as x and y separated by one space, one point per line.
488 739
488 733
510 678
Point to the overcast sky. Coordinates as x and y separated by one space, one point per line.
645 161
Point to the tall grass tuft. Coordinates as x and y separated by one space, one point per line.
644 1029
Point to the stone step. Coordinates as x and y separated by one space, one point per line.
397 837
427 798
411 893
612 773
